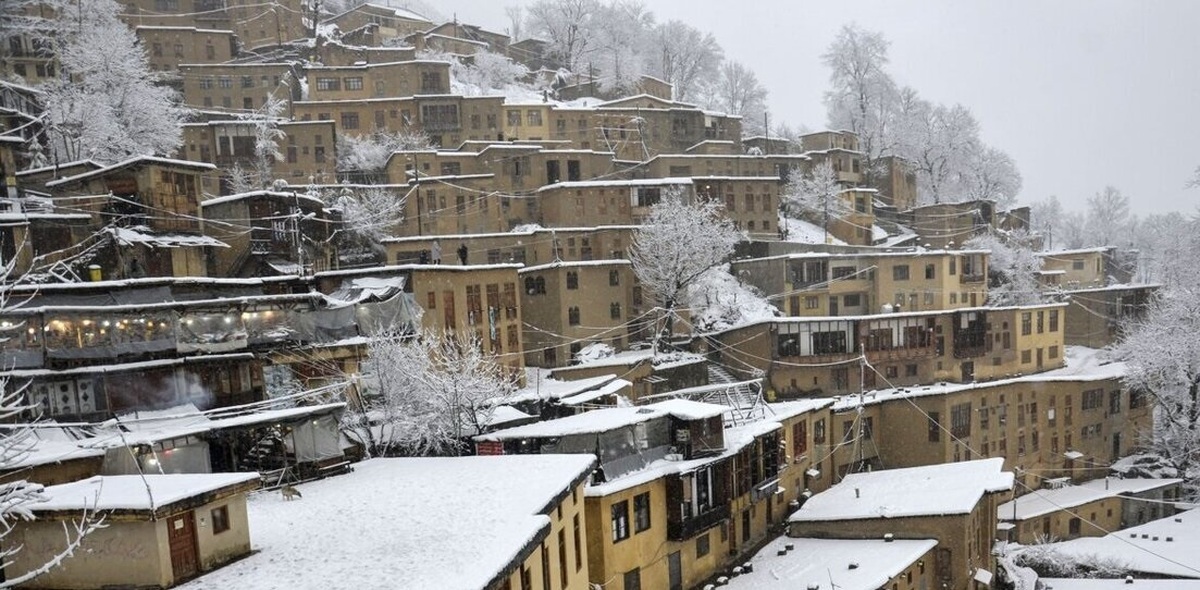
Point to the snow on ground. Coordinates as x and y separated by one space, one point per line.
950 488
719 301
804 232
1164 547
819 563
447 523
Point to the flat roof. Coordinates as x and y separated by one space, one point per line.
934 490
1046 501
820 563
453 522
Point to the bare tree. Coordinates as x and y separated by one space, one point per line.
861 93
991 174
1107 217
17 441
677 243
567 27
815 195
622 43
368 155
428 394
107 105
1163 358
516 21
267 137
686 57
737 91
1013 268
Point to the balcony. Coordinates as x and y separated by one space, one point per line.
689 527
972 278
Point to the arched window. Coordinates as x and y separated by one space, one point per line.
573 316
614 311
572 280
614 278
530 286
540 287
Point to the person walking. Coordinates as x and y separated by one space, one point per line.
462 253
436 252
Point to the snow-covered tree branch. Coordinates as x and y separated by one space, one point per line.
815 196
107 104
428 394
1013 268
677 243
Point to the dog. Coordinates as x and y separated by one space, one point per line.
290 493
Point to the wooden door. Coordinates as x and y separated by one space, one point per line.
181 535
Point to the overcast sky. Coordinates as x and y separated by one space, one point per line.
1081 93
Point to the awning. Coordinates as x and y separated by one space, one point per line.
127 236
983 577
1073 455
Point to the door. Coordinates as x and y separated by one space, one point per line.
675 572
1116 446
968 372
1039 359
833 306
181 535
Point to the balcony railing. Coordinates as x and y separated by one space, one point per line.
688 528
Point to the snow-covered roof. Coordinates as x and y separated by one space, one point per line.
153 426
455 522
576 264
820 563
141 235
1113 288
934 490
617 183
134 161
1046 501
136 492
46 449
1093 250
52 168
605 420
631 357
504 415
1164 547
309 199
179 28
540 388
1083 364
613 387
788 409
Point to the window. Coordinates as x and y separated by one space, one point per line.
935 428
1041 324
573 316
1114 402
1137 399
900 272
702 545
930 271
220 519
355 83
1052 352
572 280
614 311
614 278
1076 265
633 579
1026 324
641 512
1054 320
319 154
349 120
1093 399
329 84
178 50
206 83
533 118
156 49
247 81
960 420
828 342
225 82
577 533
514 118
910 370
620 521
431 82
819 431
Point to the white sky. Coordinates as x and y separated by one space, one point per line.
1082 93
